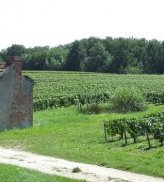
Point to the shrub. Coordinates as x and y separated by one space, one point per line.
93 108
132 70
128 100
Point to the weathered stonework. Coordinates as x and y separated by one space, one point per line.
16 93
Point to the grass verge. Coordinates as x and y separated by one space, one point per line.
14 174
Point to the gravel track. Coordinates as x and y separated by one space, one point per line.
55 166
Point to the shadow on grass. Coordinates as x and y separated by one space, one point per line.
149 148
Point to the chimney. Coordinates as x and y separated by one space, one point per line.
17 61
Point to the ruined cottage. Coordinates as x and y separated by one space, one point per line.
16 92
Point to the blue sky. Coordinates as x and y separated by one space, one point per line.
54 22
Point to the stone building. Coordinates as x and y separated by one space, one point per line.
16 92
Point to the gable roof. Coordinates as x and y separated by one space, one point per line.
30 79
5 67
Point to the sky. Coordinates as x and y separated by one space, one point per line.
54 22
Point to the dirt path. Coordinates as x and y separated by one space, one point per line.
62 167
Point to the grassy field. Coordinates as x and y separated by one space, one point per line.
16 174
67 134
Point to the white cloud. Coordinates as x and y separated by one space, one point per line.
53 22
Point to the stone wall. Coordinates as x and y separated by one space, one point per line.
5 98
15 99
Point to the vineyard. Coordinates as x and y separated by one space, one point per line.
55 89
131 140
151 125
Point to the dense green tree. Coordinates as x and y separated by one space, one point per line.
75 57
36 58
14 50
99 59
160 65
159 59
113 55
57 58
153 55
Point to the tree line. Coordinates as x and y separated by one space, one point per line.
110 55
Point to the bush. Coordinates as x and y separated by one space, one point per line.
128 100
93 108
132 70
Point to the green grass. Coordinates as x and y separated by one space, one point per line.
67 134
14 174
